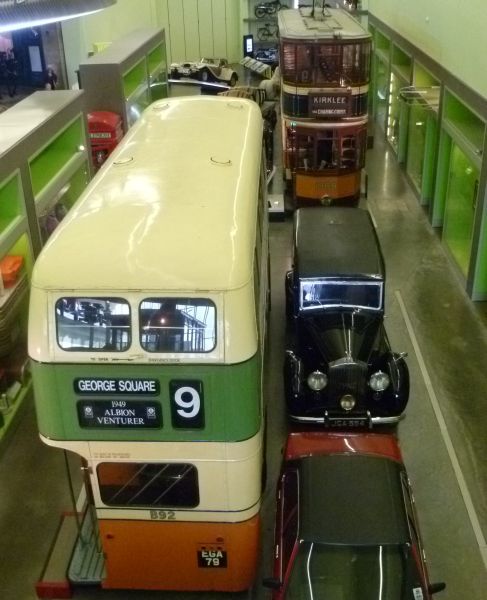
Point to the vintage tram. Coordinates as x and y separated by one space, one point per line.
325 70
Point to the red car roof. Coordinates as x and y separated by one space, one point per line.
301 444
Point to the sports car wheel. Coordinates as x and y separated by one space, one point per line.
204 75
233 80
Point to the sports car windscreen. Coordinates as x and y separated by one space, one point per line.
323 572
360 294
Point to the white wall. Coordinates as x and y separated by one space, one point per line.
108 25
449 31
197 28
194 28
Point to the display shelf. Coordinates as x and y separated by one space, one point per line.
463 124
11 416
158 82
261 68
271 19
45 140
11 203
156 58
401 63
133 71
53 189
134 78
47 164
43 150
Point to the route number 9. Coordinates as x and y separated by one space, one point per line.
187 407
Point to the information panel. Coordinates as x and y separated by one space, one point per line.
119 414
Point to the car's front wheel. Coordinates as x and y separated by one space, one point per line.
204 75
233 80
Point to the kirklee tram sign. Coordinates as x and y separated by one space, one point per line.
335 104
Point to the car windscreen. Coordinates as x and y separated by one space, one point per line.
325 572
361 294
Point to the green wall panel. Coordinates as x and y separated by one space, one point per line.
460 207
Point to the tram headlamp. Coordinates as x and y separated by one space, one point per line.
317 381
379 381
347 402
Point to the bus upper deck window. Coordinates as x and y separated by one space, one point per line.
100 324
177 325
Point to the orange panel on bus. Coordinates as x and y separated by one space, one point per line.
171 555
315 187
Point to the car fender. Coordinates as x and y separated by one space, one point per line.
398 372
293 367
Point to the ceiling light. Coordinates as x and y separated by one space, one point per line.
21 14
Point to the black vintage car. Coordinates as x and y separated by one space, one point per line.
339 368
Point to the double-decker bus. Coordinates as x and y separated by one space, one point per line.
325 70
146 338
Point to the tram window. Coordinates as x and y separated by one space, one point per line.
304 63
351 63
100 324
328 63
324 151
305 152
159 485
289 61
177 325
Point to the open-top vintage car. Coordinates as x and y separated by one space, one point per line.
206 70
346 527
339 368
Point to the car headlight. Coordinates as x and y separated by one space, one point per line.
347 402
379 381
317 380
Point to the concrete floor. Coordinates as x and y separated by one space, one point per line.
443 436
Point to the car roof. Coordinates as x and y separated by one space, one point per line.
351 499
336 241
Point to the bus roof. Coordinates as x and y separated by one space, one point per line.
332 23
174 208
336 242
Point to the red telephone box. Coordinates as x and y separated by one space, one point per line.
105 129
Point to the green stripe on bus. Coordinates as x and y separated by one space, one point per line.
231 401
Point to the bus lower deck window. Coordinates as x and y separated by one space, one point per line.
159 485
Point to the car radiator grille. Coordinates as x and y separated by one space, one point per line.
347 377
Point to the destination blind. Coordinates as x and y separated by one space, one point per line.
101 385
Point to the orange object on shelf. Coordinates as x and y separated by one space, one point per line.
10 266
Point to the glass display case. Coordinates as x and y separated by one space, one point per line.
396 133
461 199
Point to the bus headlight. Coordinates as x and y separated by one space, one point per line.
379 381
347 402
317 381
